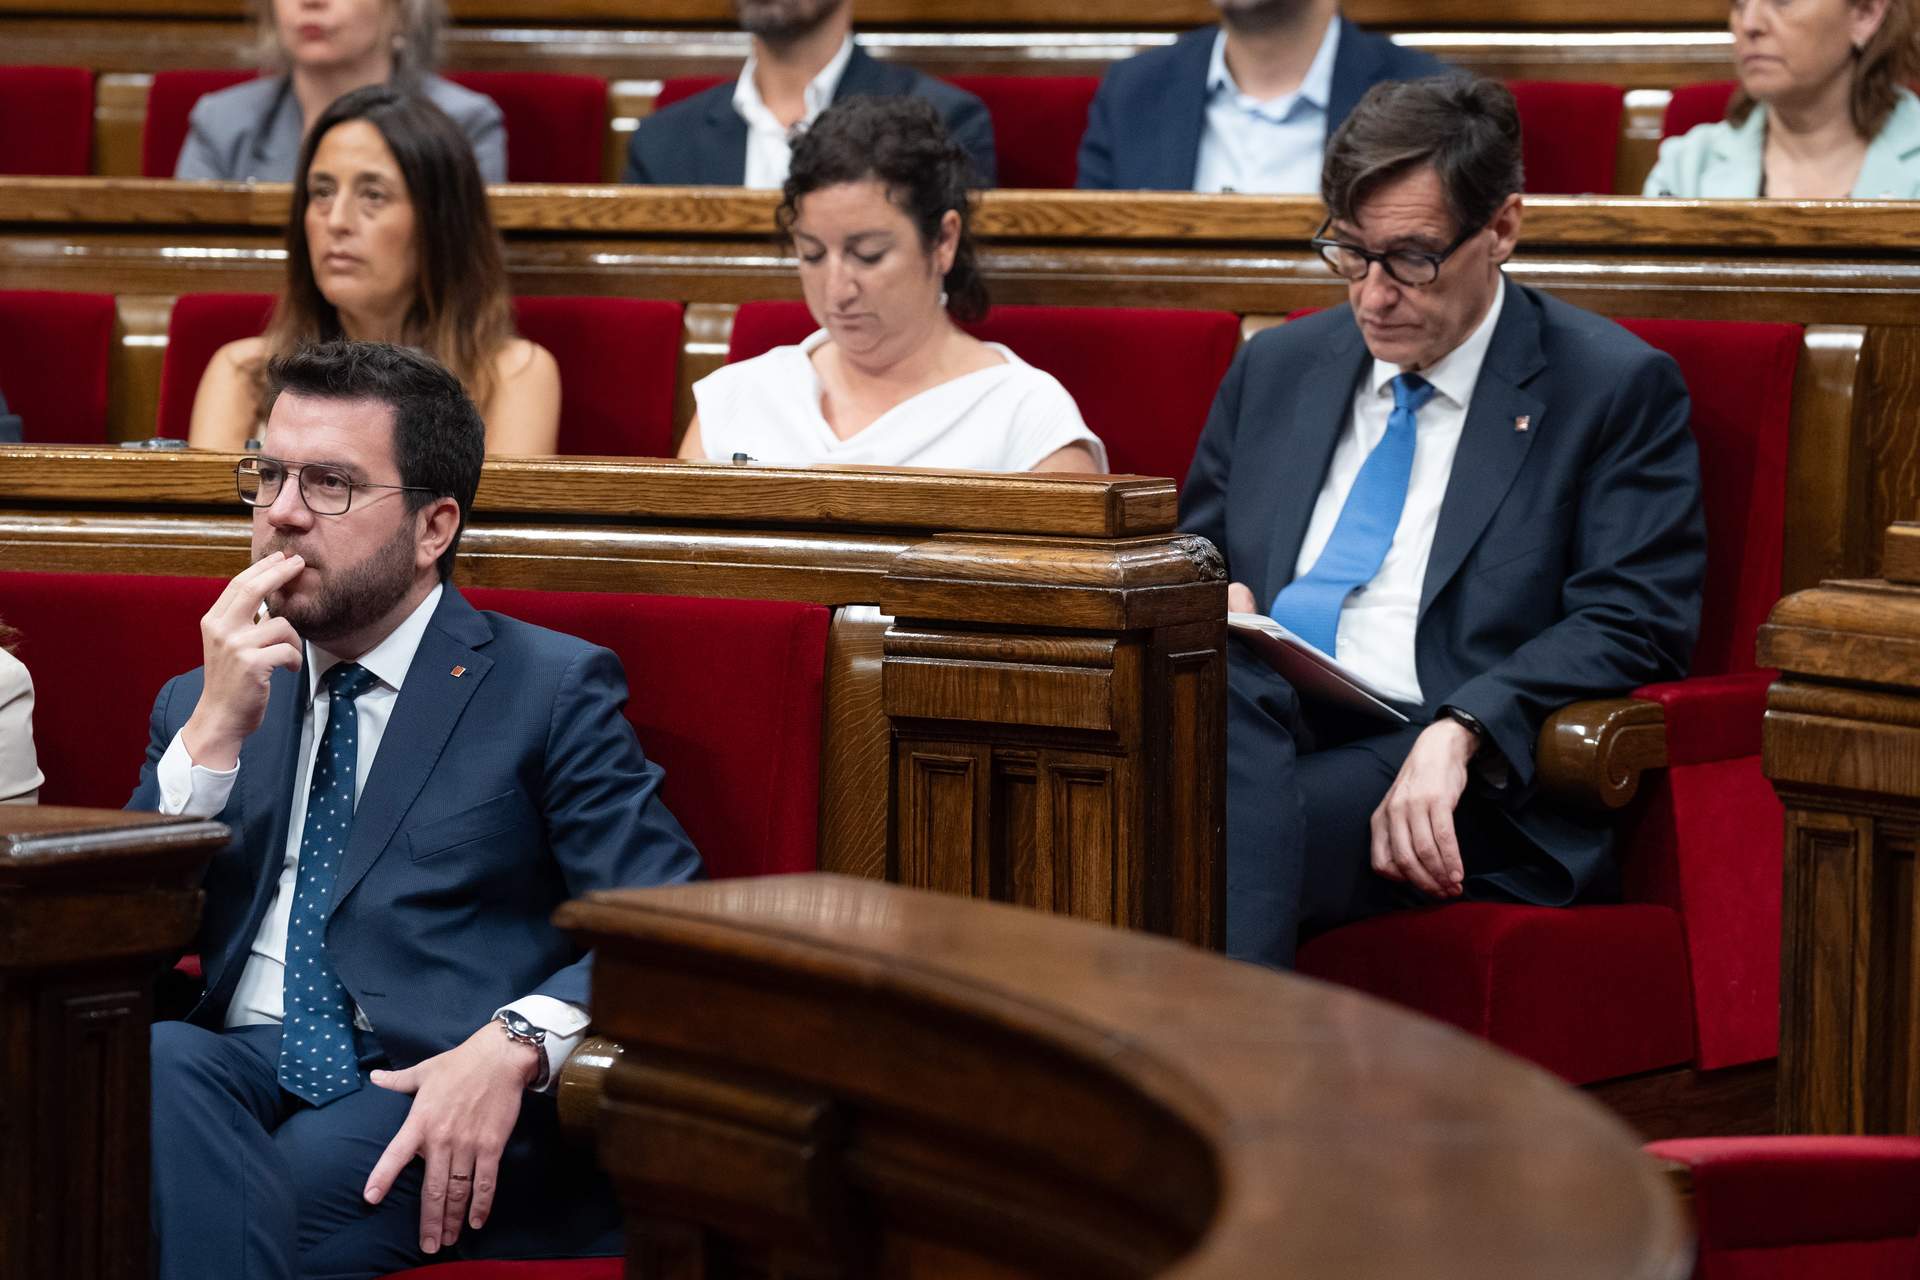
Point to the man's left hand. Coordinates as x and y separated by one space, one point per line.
465 1103
1413 836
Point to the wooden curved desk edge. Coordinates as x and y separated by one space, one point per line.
841 1074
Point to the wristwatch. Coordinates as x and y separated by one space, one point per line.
1467 719
519 1029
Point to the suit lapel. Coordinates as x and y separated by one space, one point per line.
1491 448
1354 62
430 704
1184 120
1323 402
722 161
263 795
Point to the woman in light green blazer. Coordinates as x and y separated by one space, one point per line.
1821 113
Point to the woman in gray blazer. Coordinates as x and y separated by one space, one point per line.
322 49
19 774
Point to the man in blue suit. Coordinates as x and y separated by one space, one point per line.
414 786
804 60
1484 501
1245 106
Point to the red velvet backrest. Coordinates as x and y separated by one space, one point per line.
200 324
1771 1208
1144 378
619 359
726 694
556 124
54 353
48 115
1693 104
1569 134
677 88
99 648
1740 377
169 104
1037 123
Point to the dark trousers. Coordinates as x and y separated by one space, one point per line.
1301 791
252 1183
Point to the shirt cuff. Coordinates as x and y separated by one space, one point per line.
565 1025
188 790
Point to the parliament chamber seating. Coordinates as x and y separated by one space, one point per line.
48 115
55 349
618 361
1686 969
1570 134
725 694
1770 1208
1112 360
560 119
1696 104
1037 123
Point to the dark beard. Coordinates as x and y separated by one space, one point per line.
350 600
782 22
1261 18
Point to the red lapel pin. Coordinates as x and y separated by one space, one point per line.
458 672
1523 422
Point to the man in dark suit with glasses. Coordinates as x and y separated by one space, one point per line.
1482 500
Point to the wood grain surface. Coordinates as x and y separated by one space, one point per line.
1041 1097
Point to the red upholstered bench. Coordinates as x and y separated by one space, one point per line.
1685 971
58 101
1143 377
618 358
1693 104
737 726
170 100
1569 135
55 349
1840 1208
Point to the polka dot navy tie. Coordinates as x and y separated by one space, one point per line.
318 1061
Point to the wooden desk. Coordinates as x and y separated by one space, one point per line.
92 906
1043 723
1843 749
827 1077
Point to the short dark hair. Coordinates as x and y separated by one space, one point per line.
902 144
1465 127
439 440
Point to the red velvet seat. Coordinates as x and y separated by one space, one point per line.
59 103
1114 361
55 349
556 124
619 362
1569 134
1693 104
1686 969
199 325
1840 1208
169 105
1037 123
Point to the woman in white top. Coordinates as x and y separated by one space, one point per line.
1822 112
876 205
19 773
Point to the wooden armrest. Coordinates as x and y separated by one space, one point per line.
583 1079
1593 753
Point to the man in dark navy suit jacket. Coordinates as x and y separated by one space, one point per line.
1244 106
804 60
1485 501
413 787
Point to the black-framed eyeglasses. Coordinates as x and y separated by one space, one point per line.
327 491
1411 267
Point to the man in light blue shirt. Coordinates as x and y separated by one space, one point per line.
1271 145
1244 106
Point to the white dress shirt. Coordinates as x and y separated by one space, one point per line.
1272 147
187 788
769 145
1377 622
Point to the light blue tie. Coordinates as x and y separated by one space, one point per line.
318 1060
1309 606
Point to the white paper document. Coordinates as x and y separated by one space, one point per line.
1315 676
